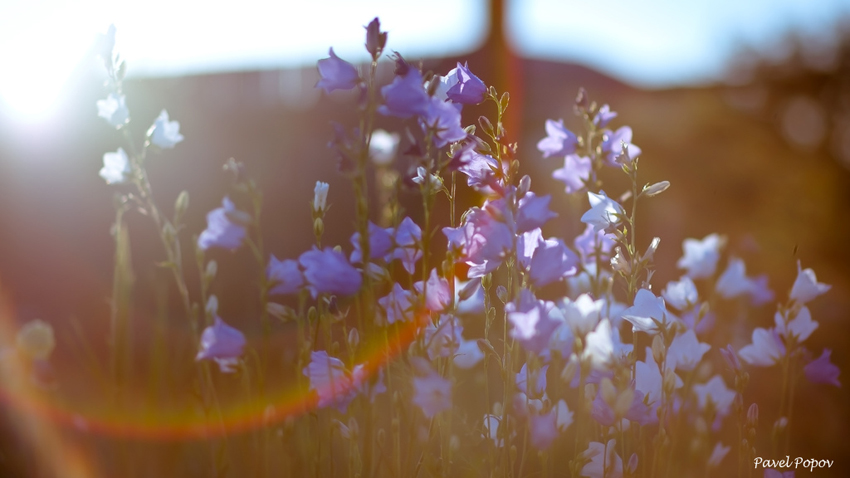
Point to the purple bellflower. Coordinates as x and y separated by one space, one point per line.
407 238
437 294
806 287
469 89
559 140
532 324
222 343
767 348
612 145
330 381
336 74
701 256
328 271
285 276
405 96
433 394
397 305
821 370
225 227
575 173
380 243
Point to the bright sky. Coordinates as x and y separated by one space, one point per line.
652 43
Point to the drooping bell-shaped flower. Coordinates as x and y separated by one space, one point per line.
285 276
575 173
559 140
468 89
222 343
328 271
336 74
821 370
225 227
806 287
604 212
116 167
701 256
165 133
114 110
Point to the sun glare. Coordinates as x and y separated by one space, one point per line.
39 57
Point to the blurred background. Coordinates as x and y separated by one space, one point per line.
743 106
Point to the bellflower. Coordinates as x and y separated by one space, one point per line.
532 324
686 352
717 392
586 244
604 212
468 354
469 297
491 427
116 167
800 327
717 454
538 381
165 133
604 461
225 227
543 429
482 171
405 96
767 348
559 140
648 379
552 261
583 314
444 338
612 145
575 173
397 305
533 212
380 243
604 116
285 276
806 287
222 343
437 293
433 394
328 271
701 256
444 120
320 197
370 385
648 312
734 281
114 110
376 40
821 370
681 294
407 238
468 89
603 346
336 74
330 381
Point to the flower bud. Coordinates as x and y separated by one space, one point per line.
650 251
468 289
353 338
633 464
320 197
582 101
659 352
619 263
210 270
211 308
502 294
753 416
669 381
181 204
376 40
36 339
779 425
656 188
524 186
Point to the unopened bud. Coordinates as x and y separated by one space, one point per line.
210 270
650 251
320 197
211 307
318 227
738 403
502 294
633 463
524 185
353 338
469 289
181 204
619 263
779 425
582 101
656 188
659 352
669 381
753 416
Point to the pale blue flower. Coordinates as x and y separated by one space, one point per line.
806 286
225 227
604 212
559 140
328 271
701 256
432 393
821 370
767 348
165 133
285 276
575 173
114 110
336 74
222 343
116 167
